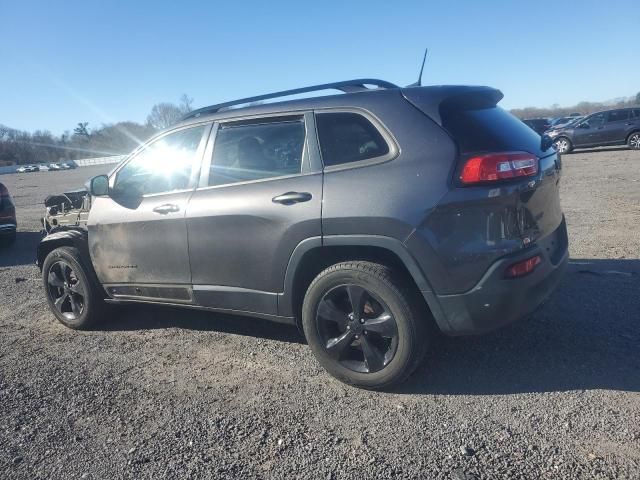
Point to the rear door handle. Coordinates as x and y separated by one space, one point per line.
167 208
290 198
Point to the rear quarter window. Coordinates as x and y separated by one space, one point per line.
348 137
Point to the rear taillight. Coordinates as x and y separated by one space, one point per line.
523 268
494 167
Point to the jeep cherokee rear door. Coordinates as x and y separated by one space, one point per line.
260 195
138 234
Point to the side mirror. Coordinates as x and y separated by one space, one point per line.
583 125
99 186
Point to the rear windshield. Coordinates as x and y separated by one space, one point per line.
489 130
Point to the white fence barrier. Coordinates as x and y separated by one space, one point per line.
86 162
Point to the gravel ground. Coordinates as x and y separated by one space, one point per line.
178 394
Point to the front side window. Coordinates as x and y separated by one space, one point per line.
348 137
165 165
595 120
257 150
618 115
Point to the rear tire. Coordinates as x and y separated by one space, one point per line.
73 293
563 145
634 141
376 344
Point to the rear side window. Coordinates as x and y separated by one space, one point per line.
618 115
636 112
348 137
488 130
254 151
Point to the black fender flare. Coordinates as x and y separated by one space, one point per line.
286 299
64 237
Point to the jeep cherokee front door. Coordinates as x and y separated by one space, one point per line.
137 234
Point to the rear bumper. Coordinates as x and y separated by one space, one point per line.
496 301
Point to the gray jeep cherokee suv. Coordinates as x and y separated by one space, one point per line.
365 218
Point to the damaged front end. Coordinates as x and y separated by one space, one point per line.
69 209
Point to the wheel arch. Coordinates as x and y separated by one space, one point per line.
635 130
315 254
64 237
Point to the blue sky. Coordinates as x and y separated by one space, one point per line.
105 61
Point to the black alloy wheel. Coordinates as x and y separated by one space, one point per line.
73 291
357 328
66 290
365 324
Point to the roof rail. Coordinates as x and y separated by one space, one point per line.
347 86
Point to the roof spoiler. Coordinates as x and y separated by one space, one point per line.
432 100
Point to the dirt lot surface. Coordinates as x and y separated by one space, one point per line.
177 394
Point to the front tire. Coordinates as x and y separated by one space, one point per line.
563 145
365 326
634 141
72 293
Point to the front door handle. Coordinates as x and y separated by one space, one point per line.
290 198
167 208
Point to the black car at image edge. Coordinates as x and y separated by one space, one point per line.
371 219
610 127
7 217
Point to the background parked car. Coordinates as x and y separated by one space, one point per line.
28 168
610 127
539 125
7 217
54 166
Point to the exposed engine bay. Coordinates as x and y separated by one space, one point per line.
66 210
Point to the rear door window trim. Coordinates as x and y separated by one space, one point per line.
308 155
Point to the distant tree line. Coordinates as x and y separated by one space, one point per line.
20 147
583 108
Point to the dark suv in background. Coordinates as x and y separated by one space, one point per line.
611 127
538 125
365 218
7 217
